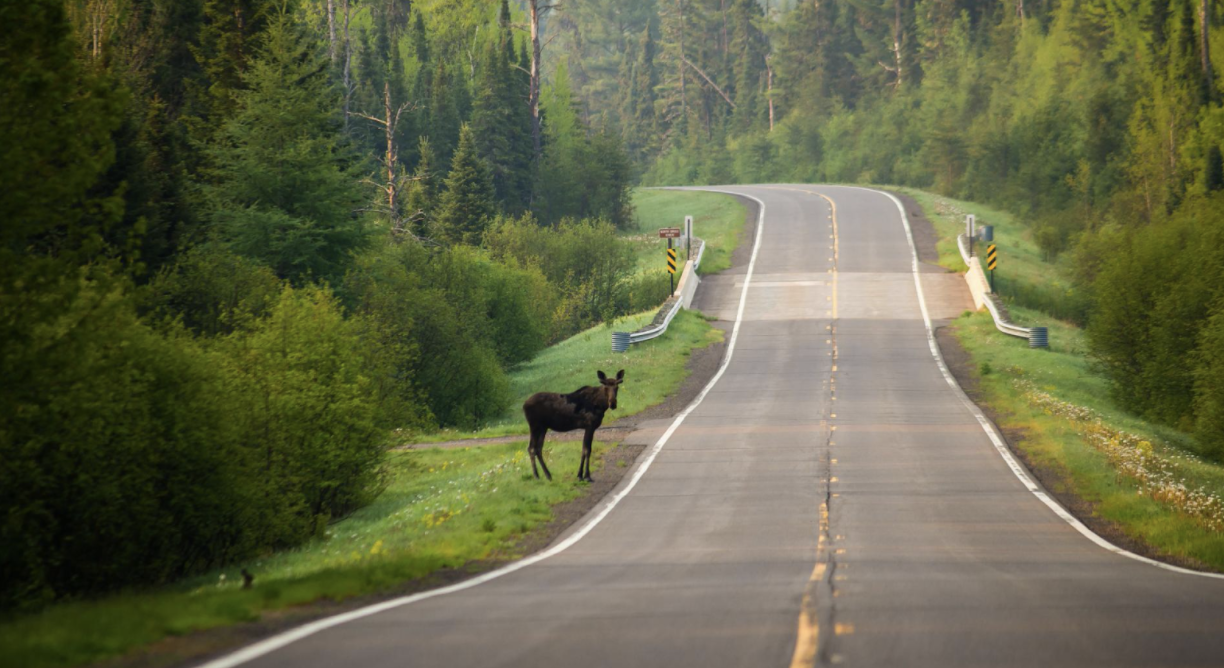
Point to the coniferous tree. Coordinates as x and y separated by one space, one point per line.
501 126
467 205
229 39
283 189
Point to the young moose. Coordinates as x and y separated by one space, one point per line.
581 409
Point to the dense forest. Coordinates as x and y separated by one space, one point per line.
243 240
1099 122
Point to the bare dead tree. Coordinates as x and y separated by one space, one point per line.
348 62
698 70
683 59
331 30
536 11
896 48
769 89
395 181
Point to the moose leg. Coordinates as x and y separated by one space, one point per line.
539 453
585 464
536 438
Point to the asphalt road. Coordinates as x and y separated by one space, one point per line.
831 500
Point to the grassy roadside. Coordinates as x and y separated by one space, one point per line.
1024 277
1141 477
717 218
441 509
653 370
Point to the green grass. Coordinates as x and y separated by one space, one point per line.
441 508
1044 393
653 370
1023 276
1054 438
717 218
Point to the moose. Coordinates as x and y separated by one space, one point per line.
583 408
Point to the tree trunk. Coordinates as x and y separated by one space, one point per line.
683 58
1205 22
391 152
533 90
331 30
769 90
897 40
348 63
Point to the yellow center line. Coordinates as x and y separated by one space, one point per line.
808 641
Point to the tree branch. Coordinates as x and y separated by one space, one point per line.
708 80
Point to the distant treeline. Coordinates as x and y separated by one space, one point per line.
1099 122
242 240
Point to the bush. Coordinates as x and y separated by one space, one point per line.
584 259
456 372
309 411
132 456
119 456
211 290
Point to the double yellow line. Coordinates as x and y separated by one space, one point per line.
807 643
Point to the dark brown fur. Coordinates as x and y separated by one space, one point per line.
583 409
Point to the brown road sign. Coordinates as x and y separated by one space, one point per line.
669 233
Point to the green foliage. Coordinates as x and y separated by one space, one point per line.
438 345
282 190
212 291
585 259
55 126
582 175
1152 304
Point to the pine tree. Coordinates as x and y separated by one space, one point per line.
283 190
501 126
467 205
422 192
229 39
444 119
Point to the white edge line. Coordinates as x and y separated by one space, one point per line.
996 438
269 645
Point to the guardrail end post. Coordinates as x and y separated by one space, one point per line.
1039 337
620 342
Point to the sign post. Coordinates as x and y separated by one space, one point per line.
970 223
688 237
670 233
992 261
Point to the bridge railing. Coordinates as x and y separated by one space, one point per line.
686 288
979 286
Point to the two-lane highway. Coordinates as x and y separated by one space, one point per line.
830 498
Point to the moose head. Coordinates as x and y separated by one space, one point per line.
610 385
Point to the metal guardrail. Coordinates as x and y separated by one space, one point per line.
621 342
1037 336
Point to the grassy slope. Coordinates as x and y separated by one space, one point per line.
653 369
442 508
1138 475
717 219
1023 275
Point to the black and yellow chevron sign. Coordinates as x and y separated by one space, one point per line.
671 260
992 257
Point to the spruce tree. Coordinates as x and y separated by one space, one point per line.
422 192
283 190
501 126
467 204
229 38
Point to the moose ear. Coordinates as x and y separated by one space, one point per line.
620 375
601 375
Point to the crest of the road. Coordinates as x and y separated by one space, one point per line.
831 496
